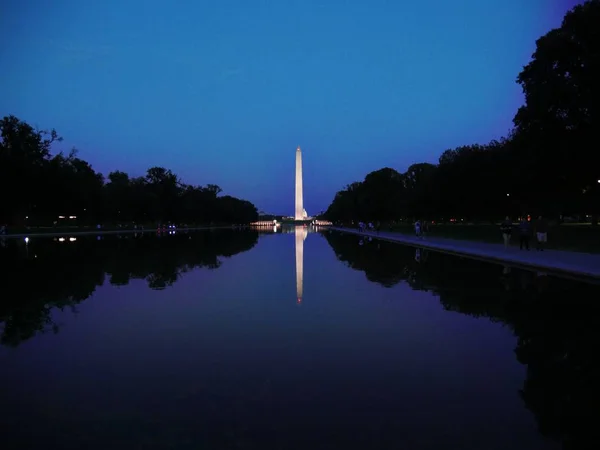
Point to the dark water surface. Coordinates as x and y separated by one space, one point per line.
239 340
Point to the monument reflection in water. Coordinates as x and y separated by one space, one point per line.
300 234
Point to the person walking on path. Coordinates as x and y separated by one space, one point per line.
418 229
541 229
524 234
506 229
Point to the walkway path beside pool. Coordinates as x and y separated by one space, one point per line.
560 262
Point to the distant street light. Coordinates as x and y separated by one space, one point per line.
508 195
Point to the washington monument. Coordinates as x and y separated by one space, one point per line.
299 214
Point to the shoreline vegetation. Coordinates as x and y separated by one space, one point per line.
45 189
547 165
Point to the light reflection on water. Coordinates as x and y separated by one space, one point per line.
300 234
193 339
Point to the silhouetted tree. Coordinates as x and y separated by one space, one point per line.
548 164
24 154
560 119
43 187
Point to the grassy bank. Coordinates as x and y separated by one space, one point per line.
572 237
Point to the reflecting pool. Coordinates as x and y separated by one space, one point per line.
288 340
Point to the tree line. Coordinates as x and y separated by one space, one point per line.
548 164
41 188
557 344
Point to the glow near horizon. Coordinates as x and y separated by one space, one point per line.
222 93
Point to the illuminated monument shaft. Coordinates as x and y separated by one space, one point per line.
299 214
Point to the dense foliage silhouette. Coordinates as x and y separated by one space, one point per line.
47 189
547 164
45 274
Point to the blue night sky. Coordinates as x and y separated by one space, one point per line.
223 91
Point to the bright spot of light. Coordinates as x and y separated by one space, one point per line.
27 240
61 239
72 239
508 195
